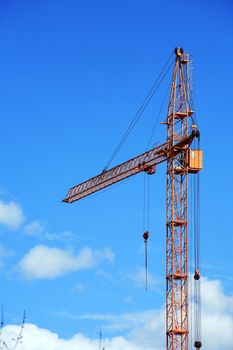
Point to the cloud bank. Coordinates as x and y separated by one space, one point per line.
44 262
141 330
35 338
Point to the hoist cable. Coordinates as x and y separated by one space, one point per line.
191 263
145 224
141 109
146 236
191 90
197 281
157 119
148 204
144 202
146 265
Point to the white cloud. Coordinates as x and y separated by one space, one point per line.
39 229
137 276
35 338
146 329
11 215
217 316
45 262
62 236
139 279
140 330
213 294
34 228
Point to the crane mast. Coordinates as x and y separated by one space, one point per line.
181 161
178 122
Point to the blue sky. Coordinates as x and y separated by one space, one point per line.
72 75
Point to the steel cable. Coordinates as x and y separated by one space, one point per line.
141 109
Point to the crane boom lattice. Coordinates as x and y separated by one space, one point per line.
145 162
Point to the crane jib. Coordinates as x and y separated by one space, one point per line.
131 167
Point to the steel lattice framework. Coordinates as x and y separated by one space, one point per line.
145 162
180 135
178 120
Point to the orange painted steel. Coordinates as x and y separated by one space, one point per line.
145 162
180 134
178 123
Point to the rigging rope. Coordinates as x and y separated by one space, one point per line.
191 245
144 202
146 222
197 282
146 196
141 109
158 116
148 203
146 236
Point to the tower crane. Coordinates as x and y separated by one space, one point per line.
181 160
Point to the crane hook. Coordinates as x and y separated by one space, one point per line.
196 274
146 236
197 344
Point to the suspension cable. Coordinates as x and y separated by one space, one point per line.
146 236
146 222
146 195
157 119
144 202
191 245
197 282
148 203
141 109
